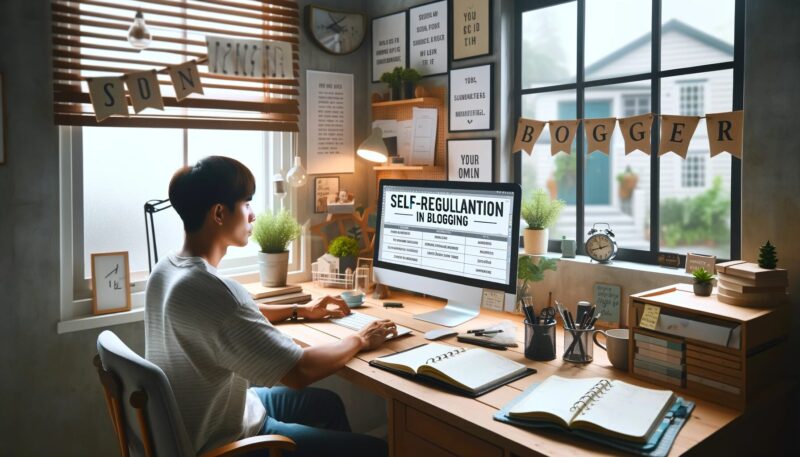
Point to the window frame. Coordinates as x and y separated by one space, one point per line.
75 289
655 75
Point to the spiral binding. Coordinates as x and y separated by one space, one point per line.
446 355
591 397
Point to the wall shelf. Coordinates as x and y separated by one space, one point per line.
410 101
399 168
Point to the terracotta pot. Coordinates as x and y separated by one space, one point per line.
552 188
535 241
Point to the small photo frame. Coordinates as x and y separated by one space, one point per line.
608 300
471 106
324 186
471 28
695 261
428 38
111 282
389 43
470 160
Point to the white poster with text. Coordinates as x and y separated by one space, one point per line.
329 139
388 44
470 160
471 98
428 30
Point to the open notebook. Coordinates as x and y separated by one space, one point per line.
471 372
609 407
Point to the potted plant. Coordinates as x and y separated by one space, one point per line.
346 249
539 212
410 79
627 183
529 271
394 79
702 282
273 233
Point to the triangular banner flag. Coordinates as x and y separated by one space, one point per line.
676 133
562 134
144 90
528 131
598 134
636 132
108 97
725 132
186 79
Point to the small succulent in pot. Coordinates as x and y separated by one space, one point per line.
703 282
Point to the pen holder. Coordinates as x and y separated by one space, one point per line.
578 345
540 341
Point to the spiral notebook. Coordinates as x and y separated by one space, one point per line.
612 408
470 372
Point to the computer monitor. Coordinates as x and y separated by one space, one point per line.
448 239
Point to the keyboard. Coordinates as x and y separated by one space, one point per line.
357 321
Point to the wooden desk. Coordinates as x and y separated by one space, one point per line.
424 421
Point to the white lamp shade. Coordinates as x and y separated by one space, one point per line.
373 148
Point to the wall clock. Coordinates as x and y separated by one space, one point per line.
337 32
601 245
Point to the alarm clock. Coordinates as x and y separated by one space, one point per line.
601 245
337 32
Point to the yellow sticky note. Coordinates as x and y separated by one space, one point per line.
650 317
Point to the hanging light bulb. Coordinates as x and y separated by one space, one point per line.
296 176
279 185
139 35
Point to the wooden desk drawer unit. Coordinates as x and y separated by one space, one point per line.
719 352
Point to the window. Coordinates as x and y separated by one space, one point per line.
108 173
603 58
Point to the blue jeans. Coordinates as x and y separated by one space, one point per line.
315 419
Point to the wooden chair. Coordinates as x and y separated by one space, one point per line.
151 406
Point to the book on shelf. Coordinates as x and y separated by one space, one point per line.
611 408
659 349
258 291
659 341
471 372
667 370
659 357
713 384
645 373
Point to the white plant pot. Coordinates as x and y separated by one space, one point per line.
272 268
535 241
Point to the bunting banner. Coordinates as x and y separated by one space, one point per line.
528 131
186 79
562 134
144 91
636 132
107 94
676 133
598 134
725 132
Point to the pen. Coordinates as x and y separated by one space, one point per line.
487 344
475 330
489 332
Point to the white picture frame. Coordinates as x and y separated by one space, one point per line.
330 131
111 282
471 98
389 43
428 42
470 160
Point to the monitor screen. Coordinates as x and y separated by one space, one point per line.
459 232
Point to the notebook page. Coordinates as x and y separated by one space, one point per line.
554 396
628 410
416 357
477 368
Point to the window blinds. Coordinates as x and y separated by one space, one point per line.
90 40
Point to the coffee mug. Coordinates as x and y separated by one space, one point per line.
616 346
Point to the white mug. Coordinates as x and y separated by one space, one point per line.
616 346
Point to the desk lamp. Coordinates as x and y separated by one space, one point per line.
373 148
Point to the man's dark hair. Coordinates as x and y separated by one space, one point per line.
212 180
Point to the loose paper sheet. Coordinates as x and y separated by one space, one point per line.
424 135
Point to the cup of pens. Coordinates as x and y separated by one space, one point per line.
540 334
578 343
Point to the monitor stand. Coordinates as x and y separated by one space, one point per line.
451 315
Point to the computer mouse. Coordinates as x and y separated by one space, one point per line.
440 333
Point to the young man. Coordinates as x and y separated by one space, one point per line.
213 341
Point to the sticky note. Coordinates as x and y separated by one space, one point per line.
492 299
650 317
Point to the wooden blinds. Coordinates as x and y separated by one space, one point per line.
90 40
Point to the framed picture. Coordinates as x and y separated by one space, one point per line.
428 38
2 123
388 43
608 298
324 186
471 98
470 160
111 282
472 28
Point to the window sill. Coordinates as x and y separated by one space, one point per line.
102 320
678 273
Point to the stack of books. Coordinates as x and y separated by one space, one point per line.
660 358
284 295
746 284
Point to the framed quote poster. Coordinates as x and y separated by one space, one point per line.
428 38
388 44
470 160
111 282
471 98
472 28
323 187
330 131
